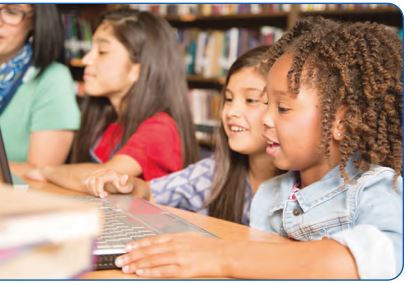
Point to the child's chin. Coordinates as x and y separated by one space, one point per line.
241 149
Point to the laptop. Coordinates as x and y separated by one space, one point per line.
128 218
5 175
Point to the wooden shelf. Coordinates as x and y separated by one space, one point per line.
206 128
194 81
387 16
206 143
76 62
199 82
222 22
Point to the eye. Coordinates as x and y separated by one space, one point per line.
251 101
282 109
228 99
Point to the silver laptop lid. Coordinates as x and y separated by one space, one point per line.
5 175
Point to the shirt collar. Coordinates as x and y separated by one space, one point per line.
280 188
310 196
327 187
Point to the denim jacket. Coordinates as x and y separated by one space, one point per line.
344 212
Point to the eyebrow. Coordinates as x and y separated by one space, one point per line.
102 40
280 93
227 90
252 89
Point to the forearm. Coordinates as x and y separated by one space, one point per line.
20 169
71 176
302 260
49 148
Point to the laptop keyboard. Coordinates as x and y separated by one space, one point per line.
119 229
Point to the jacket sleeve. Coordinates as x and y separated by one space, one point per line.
375 240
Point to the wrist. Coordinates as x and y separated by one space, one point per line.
140 188
46 172
227 258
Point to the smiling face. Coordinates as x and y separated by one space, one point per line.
293 125
13 37
109 72
242 112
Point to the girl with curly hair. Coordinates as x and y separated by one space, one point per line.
334 121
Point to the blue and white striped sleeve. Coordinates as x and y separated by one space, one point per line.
187 189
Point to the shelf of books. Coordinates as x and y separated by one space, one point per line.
205 108
212 36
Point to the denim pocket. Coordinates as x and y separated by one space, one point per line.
317 229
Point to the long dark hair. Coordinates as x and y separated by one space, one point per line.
161 86
231 168
48 37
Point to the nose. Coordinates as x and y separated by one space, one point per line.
267 119
234 109
87 58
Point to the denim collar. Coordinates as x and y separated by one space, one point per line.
310 196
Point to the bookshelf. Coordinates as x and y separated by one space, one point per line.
274 15
204 26
200 82
222 22
390 15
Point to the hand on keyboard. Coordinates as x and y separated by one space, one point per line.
182 255
102 182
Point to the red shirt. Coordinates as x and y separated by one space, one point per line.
156 146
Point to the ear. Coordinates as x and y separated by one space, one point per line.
338 128
134 72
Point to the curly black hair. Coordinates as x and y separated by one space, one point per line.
358 66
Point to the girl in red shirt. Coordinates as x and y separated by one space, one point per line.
135 119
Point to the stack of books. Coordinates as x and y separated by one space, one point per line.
43 236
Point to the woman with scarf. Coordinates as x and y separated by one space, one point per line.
38 110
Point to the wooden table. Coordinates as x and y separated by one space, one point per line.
222 229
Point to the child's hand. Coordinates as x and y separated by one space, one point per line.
181 255
35 174
102 182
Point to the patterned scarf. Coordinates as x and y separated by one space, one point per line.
12 73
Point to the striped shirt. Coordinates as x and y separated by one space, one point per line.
190 188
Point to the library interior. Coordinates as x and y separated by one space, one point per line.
212 36
53 227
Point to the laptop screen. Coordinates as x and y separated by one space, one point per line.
5 175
